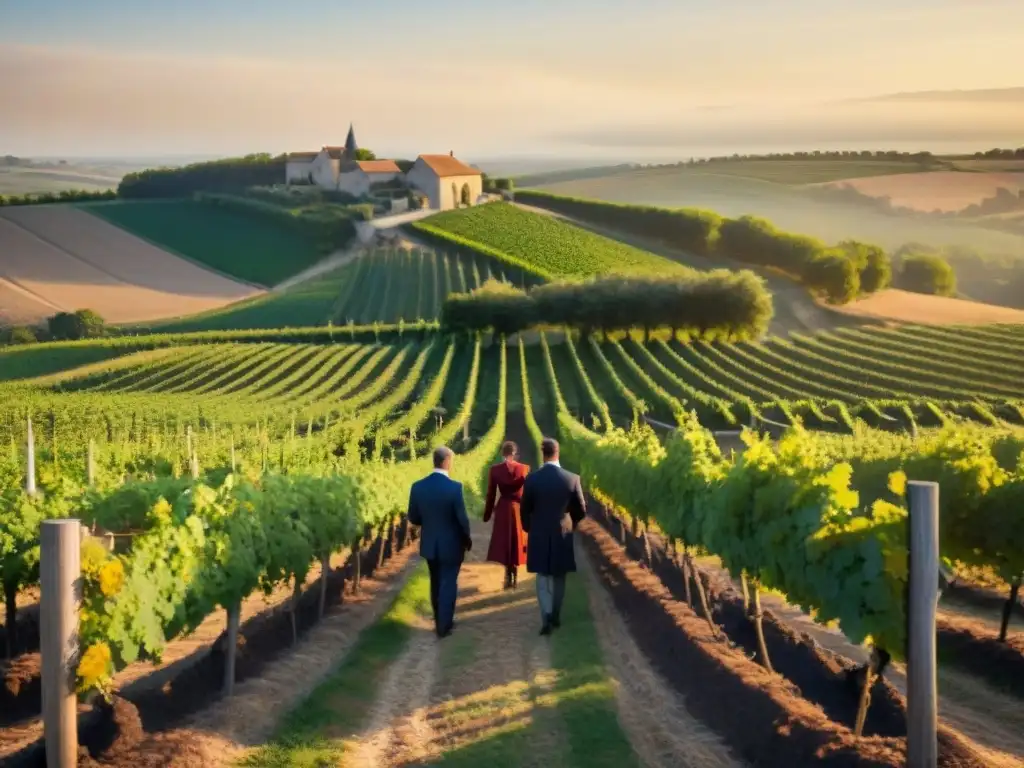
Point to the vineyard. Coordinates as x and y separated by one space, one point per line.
222 469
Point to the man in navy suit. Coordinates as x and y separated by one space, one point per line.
436 504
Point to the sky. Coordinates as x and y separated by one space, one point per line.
601 78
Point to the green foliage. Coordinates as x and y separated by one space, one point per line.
725 304
64 196
836 275
226 175
74 326
542 244
927 273
872 262
18 335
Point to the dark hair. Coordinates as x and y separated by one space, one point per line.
441 454
549 447
509 448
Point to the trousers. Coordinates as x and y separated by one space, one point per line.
444 588
550 594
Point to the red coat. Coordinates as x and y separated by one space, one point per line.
508 542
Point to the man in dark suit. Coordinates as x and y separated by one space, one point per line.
436 504
552 507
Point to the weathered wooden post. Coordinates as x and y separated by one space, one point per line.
90 464
922 606
30 463
59 581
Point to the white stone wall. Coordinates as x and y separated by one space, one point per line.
425 180
325 171
297 172
357 182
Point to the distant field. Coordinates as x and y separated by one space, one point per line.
788 207
905 307
59 257
936 191
990 166
238 245
21 181
805 171
553 246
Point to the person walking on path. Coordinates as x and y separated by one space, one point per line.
436 505
504 491
552 507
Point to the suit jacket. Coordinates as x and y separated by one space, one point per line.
436 504
552 507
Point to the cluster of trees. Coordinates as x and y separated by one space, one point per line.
64 326
499 184
331 226
840 273
228 175
718 304
1001 154
924 158
924 269
65 196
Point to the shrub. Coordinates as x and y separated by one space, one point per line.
18 334
834 273
71 326
872 262
66 196
732 304
927 273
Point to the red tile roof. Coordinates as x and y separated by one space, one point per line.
378 166
447 165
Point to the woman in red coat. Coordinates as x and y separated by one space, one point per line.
504 491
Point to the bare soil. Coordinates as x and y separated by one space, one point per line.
935 190
60 257
892 305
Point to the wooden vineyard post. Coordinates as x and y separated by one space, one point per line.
325 572
234 463
1004 626
762 647
922 606
30 463
231 648
90 464
59 574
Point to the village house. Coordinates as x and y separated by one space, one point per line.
443 180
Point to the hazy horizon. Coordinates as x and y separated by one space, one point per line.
648 81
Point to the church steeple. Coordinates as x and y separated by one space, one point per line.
350 143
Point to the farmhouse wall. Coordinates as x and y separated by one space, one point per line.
325 171
425 180
451 190
357 182
297 172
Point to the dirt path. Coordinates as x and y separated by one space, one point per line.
494 693
653 714
336 260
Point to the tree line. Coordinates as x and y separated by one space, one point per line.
840 273
231 174
65 196
719 304
63 326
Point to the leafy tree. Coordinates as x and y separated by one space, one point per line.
836 274
927 273
19 334
70 326
365 154
872 262
227 175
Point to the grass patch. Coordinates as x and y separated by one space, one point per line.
240 245
551 247
30 361
318 731
584 693
306 305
